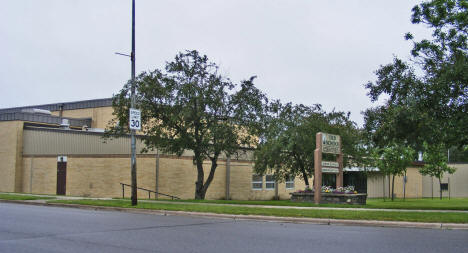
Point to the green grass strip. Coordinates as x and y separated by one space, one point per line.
411 204
21 197
432 217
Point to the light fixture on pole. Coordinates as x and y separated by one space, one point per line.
134 114
132 105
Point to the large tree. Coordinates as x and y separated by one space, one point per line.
191 106
288 144
433 86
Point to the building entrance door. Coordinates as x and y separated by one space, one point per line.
61 178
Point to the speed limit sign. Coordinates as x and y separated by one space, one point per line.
135 119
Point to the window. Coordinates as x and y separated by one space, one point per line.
257 182
270 182
290 182
444 186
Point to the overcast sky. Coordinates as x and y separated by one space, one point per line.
301 51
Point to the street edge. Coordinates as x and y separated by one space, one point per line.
320 221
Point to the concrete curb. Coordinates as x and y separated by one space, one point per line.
372 223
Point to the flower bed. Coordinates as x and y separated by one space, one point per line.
341 195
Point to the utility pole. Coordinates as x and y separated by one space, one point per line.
133 159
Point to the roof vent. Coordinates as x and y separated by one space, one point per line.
65 124
36 111
96 130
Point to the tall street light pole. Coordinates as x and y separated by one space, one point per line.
133 158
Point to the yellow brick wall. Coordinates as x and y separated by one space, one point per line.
100 115
101 177
11 146
241 185
44 175
178 176
241 180
27 175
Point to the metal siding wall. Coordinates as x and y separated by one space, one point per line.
374 185
37 142
427 187
458 183
60 142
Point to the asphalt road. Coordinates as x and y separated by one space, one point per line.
26 228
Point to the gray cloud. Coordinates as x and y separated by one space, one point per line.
302 51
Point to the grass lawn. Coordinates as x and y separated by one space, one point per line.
423 204
21 197
331 214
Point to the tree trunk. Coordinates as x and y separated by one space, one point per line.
199 193
208 181
200 186
440 188
404 187
304 175
383 187
393 186
389 187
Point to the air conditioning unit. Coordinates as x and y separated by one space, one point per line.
65 124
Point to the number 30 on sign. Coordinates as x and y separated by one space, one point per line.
135 119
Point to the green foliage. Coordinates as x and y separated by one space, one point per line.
458 155
394 159
288 144
431 105
435 161
399 123
190 106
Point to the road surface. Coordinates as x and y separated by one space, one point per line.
27 228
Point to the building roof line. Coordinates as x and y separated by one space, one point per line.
82 104
44 118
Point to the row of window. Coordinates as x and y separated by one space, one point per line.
257 182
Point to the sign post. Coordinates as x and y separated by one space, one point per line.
318 168
329 144
132 105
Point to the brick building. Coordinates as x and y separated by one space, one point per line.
59 149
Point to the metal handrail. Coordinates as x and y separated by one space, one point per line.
149 192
